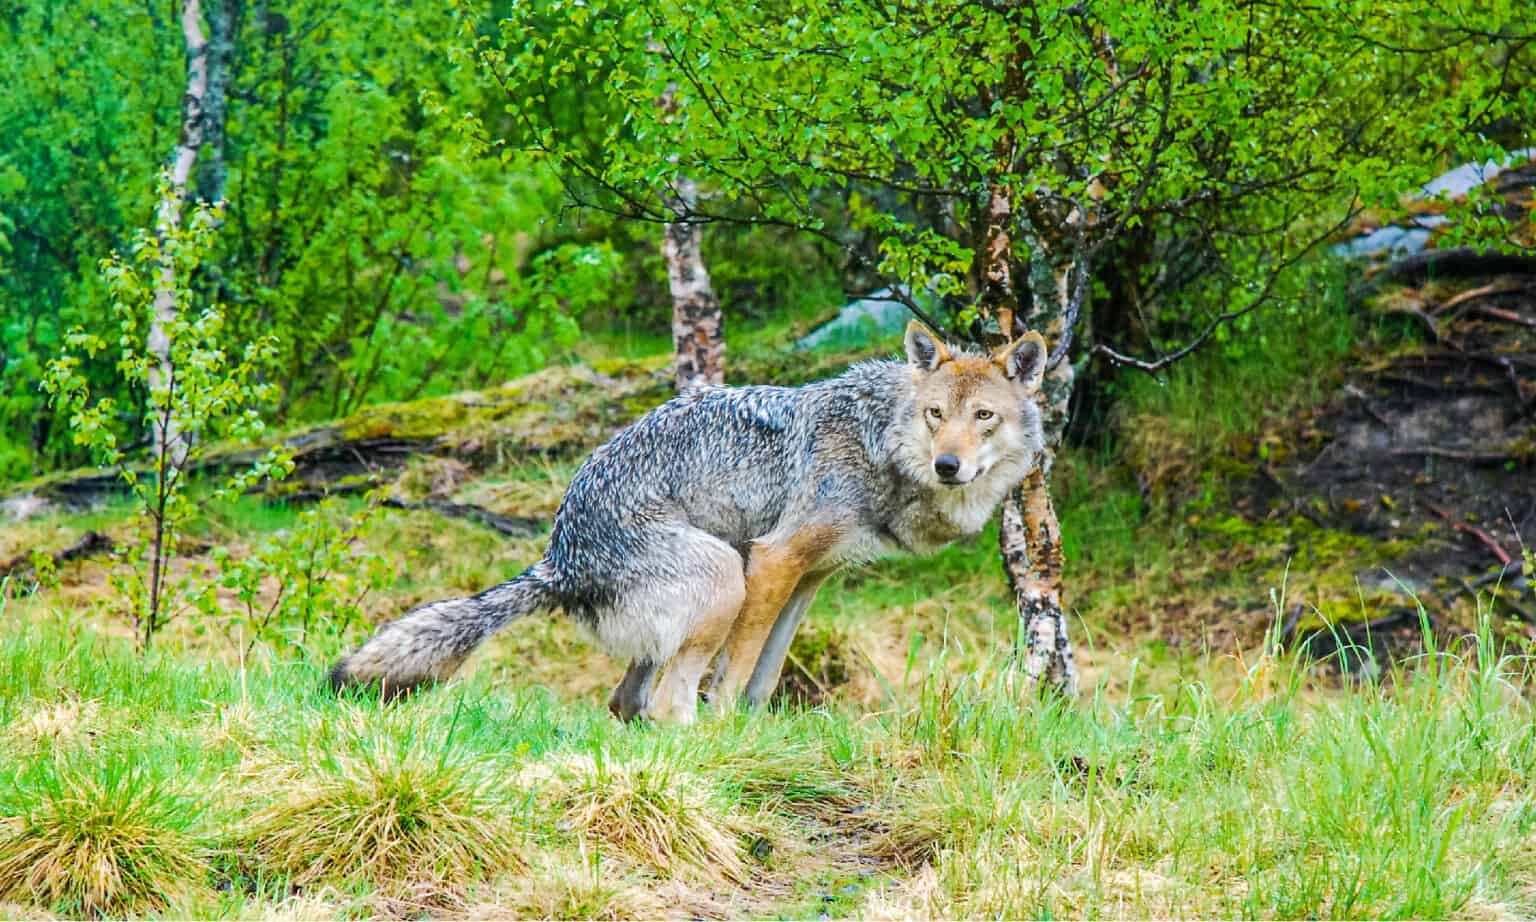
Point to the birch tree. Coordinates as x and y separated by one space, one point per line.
697 340
168 443
698 343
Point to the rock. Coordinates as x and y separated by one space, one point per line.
1412 234
25 506
860 323
1463 179
1390 241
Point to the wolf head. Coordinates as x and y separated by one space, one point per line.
976 414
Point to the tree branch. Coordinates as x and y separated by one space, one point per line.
1220 320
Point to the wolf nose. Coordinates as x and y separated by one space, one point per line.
946 466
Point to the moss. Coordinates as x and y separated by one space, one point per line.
559 409
818 663
418 419
1299 534
625 367
350 483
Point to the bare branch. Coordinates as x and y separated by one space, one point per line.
1220 320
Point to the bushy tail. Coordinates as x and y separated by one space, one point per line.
428 644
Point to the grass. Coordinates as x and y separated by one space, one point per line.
654 815
1265 794
91 837
396 813
1175 428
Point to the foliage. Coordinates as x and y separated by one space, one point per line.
202 394
388 258
1230 138
308 578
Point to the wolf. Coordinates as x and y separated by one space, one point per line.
700 533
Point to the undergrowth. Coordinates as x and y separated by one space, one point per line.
1194 424
904 776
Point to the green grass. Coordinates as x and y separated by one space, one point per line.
165 785
1177 427
93 835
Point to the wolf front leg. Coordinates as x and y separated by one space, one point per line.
770 663
775 568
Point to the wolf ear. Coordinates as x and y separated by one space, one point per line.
924 348
1023 360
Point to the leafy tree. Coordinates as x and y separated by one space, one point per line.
390 258
1001 150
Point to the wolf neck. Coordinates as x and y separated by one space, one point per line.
930 517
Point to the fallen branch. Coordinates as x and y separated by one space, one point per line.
1472 294
1454 262
1486 539
1366 405
1457 454
1499 313
1455 388
22 566
319 492
511 526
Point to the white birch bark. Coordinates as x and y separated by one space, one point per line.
167 441
699 348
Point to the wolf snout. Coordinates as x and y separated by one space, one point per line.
947 467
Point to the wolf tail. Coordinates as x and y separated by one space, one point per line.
428 644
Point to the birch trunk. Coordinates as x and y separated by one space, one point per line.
697 344
169 443
1030 537
696 339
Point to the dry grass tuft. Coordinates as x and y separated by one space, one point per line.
907 898
906 838
97 844
54 723
990 879
400 818
655 817
557 889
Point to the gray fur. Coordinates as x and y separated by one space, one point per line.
656 525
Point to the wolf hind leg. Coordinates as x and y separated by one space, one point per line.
679 613
633 692
677 695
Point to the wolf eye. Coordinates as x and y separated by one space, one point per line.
984 415
935 413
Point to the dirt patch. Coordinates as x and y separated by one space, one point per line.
1439 440
1431 447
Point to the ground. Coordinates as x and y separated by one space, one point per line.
1304 694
